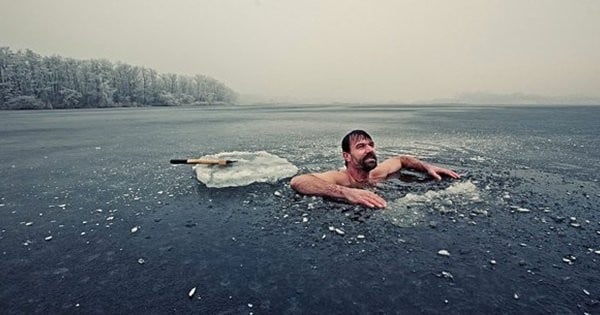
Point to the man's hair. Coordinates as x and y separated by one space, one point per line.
354 134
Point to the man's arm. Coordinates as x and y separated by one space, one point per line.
328 185
394 164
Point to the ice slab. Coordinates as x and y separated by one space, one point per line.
410 209
251 167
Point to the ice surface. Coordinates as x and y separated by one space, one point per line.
251 167
410 209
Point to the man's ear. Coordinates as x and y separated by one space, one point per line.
346 156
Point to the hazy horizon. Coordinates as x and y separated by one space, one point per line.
332 51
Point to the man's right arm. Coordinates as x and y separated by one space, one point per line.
327 185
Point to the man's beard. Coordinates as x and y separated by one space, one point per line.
368 165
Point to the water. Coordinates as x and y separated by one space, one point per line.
132 233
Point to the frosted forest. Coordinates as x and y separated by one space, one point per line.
31 81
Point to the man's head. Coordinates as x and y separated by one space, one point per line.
358 149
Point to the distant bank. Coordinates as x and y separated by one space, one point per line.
31 81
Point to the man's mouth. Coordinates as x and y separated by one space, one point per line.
370 157
369 162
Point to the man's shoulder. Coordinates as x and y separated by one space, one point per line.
339 177
335 174
385 169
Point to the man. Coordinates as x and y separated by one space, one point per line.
358 150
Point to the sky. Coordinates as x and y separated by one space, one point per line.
331 50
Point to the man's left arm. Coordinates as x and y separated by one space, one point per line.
434 171
395 164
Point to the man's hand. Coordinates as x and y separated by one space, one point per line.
408 161
364 197
326 184
437 172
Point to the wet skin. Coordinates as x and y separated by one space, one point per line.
362 171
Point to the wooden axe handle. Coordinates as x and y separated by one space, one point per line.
201 161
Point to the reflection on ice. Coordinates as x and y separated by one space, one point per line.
410 209
251 167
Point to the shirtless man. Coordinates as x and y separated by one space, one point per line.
361 171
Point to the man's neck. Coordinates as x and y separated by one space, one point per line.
357 175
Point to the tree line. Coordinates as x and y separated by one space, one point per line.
31 81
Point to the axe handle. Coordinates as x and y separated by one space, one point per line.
201 161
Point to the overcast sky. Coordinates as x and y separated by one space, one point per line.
325 50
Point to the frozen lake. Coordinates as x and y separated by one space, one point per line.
94 219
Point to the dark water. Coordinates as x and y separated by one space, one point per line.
87 177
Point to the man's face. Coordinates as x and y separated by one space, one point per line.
362 153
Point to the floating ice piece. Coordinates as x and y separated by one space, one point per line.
447 275
597 251
523 210
567 260
141 261
410 209
47 238
251 167
305 219
192 292
586 292
360 236
28 223
477 158
443 252
339 231
134 229
447 202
